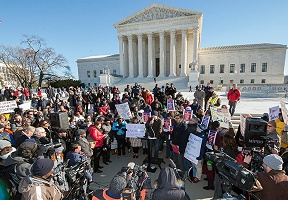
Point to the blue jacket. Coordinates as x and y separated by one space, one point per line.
119 129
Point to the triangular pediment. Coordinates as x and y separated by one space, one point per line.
156 12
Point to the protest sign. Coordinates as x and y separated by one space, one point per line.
123 110
221 115
166 124
211 139
273 113
188 115
242 124
25 106
205 121
135 130
170 105
146 116
7 106
284 111
193 148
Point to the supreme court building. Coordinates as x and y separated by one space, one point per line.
162 41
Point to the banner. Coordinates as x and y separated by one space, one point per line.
7 106
205 121
170 105
273 113
26 105
123 110
187 115
166 124
193 148
211 139
146 116
135 130
221 115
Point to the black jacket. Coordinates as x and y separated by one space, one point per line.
168 188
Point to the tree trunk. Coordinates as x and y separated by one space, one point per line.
40 79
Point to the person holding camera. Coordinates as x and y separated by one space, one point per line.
39 184
273 182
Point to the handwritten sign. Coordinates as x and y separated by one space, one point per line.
211 139
170 105
166 124
193 147
146 116
187 115
273 113
284 111
124 110
135 130
221 115
7 106
242 124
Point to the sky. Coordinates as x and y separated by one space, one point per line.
78 29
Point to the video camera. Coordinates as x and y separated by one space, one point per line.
137 180
232 172
48 149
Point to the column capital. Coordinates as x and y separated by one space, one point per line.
130 36
184 31
120 37
139 35
150 34
161 33
173 31
195 29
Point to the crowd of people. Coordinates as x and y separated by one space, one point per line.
32 146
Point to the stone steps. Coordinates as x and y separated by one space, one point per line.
236 119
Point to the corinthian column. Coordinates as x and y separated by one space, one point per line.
172 54
140 55
130 49
121 56
162 54
184 53
195 48
150 55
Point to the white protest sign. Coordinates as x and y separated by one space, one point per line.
193 148
25 106
7 106
273 113
284 111
135 130
222 116
124 110
242 124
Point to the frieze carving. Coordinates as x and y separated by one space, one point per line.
156 13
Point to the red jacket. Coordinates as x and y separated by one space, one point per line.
233 95
96 135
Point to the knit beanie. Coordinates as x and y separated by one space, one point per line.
117 185
42 167
273 161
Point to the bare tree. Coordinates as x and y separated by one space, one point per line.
19 65
45 59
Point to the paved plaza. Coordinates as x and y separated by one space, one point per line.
194 190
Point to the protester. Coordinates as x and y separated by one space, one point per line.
233 97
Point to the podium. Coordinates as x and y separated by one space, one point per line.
151 160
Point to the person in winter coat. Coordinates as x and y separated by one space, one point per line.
95 133
119 128
233 96
168 186
40 185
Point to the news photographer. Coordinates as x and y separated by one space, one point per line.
273 182
39 184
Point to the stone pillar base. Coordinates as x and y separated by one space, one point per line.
105 79
193 79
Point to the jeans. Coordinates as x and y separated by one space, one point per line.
232 107
155 143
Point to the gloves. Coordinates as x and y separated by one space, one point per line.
123 129
198 158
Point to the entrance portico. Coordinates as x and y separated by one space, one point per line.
159 35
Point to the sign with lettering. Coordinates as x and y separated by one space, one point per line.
221 115
7 106
170 105
193 148
211 139
135 130
166 124
146 116
273 113
124 110
188 115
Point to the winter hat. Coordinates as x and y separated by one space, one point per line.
273 161
4 143
154 112
59 149
42 167
117 185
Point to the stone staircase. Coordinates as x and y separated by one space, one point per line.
179 82
236 119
